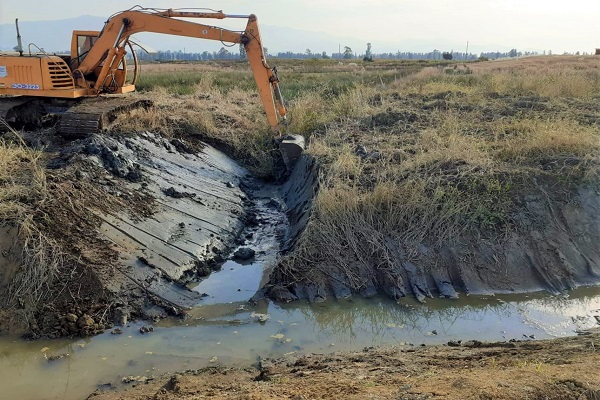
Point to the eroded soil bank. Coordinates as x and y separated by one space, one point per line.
558 369
552 246
130 221
442 186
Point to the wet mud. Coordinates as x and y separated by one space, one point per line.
163 213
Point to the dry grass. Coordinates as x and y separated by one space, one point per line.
521 141
560 82
23 188
553 77
22 179
454 154
41 263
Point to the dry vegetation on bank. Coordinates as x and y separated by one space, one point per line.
218 102
440 155
23 188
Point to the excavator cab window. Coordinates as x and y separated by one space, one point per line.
84 44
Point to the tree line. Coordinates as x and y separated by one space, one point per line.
234 53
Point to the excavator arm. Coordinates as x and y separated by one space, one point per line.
108 50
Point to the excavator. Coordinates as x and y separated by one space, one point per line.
82 84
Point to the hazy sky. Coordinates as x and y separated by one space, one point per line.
565 25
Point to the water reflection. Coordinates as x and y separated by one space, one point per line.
380 318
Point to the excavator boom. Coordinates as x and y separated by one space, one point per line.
123 25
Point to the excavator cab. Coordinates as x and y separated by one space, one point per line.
81 44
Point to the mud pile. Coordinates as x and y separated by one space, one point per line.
198 212
138 218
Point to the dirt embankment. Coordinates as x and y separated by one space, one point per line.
128 221
553 248
452 192
558 369
10 259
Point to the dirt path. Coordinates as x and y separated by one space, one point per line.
552 369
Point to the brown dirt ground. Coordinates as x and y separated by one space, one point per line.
563 368
10 259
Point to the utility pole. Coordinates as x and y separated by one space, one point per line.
467 51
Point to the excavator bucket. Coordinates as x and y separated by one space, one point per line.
291 147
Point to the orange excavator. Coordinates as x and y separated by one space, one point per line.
97 66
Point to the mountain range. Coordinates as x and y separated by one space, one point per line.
55 36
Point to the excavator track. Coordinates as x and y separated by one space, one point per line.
94 115
77 118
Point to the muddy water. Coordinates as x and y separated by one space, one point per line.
231 334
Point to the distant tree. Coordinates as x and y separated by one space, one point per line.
308 53
266 51
512 53
223 53
348 53
447 56
243 55
368 54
